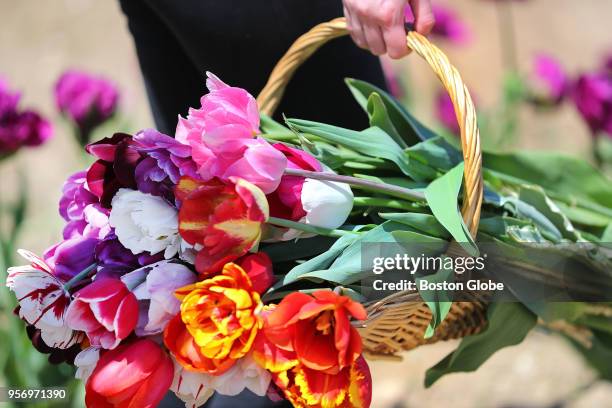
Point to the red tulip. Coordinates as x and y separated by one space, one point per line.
259 268
105 310
134 375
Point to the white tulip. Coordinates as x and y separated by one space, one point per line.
85 362
191 387
144 222
327 203
42 301
246 373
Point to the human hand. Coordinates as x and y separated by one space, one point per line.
378 25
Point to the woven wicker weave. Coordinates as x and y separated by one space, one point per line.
399 321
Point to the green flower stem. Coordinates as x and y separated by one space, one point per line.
395 191
280 136
79 276
383 202
280 222
597 157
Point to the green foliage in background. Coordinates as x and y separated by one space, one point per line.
22 366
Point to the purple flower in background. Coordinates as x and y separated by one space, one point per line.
448 25
549 81
8 100
592 95
445 112
85 99
607 65
19 127
164 161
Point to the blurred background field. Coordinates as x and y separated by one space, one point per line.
41 39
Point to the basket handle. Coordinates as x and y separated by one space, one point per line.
311 41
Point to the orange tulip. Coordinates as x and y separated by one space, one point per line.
218 322
313 351
223 221
349 388
317 328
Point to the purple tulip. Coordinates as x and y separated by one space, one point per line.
164 161
86 100
71 256
549 83
114 260
75 197
19 127
149 161
154 287
445 112
592 95
81 208
448 25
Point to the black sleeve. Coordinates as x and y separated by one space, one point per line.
240 41
172 81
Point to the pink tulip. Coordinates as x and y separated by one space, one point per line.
286 201
549 81
222 133
227 111
136 374
105 310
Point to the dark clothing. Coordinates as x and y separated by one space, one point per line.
240 41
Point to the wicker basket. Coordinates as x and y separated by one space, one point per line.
399 321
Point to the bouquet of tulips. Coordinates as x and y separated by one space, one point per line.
226 258
157 282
